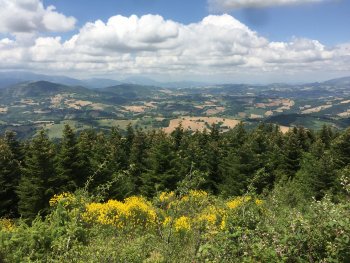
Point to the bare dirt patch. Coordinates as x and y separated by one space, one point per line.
284 129
344 114
215 110
316 109
256 116
29 102
242 114
3 110
141 108
268 113
282 103
77 104
199 123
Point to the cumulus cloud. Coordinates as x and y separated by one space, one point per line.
30 16
228 5
216 46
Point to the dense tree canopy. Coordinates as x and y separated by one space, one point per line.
147 162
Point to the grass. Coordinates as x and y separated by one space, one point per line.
122 124
55 131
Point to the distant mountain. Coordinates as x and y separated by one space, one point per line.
339 81
131 91
139 80
39 89
11 78
97 83
15 77
176 84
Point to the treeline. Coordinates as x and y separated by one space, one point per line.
146 163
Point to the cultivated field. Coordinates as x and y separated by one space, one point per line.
200 123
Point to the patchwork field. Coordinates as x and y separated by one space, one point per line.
200 123
31 106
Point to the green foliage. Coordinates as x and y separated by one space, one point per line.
69 167
36 185
209 208
189 226
10 162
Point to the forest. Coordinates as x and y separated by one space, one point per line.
246 195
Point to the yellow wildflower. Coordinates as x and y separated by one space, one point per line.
223 223
166 197
207 218
182 224
238 201
65 198
7 225
134 211
198 194
259 202
167 221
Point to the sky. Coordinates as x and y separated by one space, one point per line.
245 41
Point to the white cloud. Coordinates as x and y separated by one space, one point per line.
228 5
30 16
218 47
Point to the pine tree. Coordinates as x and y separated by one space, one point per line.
326 135
317 175
129 138
102 160
162 171
9 177
15 146
138 157
292 153
237 136
85 144
341 149
70 170
36 184
177 136
118 173
238 170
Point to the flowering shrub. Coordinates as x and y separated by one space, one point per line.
192 227
133 212
7 225
65 199
166 197
182 224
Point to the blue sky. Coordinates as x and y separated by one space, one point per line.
328 22
213 40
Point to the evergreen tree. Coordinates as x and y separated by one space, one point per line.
177 136
138 157
341 149
238 170
103 160
317 175
9 177
70 171
36 184
85 144
292 153
129 138
326 135
162 172
237 136
15 146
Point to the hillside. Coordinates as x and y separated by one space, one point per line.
39 89
253 195
32 105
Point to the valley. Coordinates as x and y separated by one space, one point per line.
28 106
